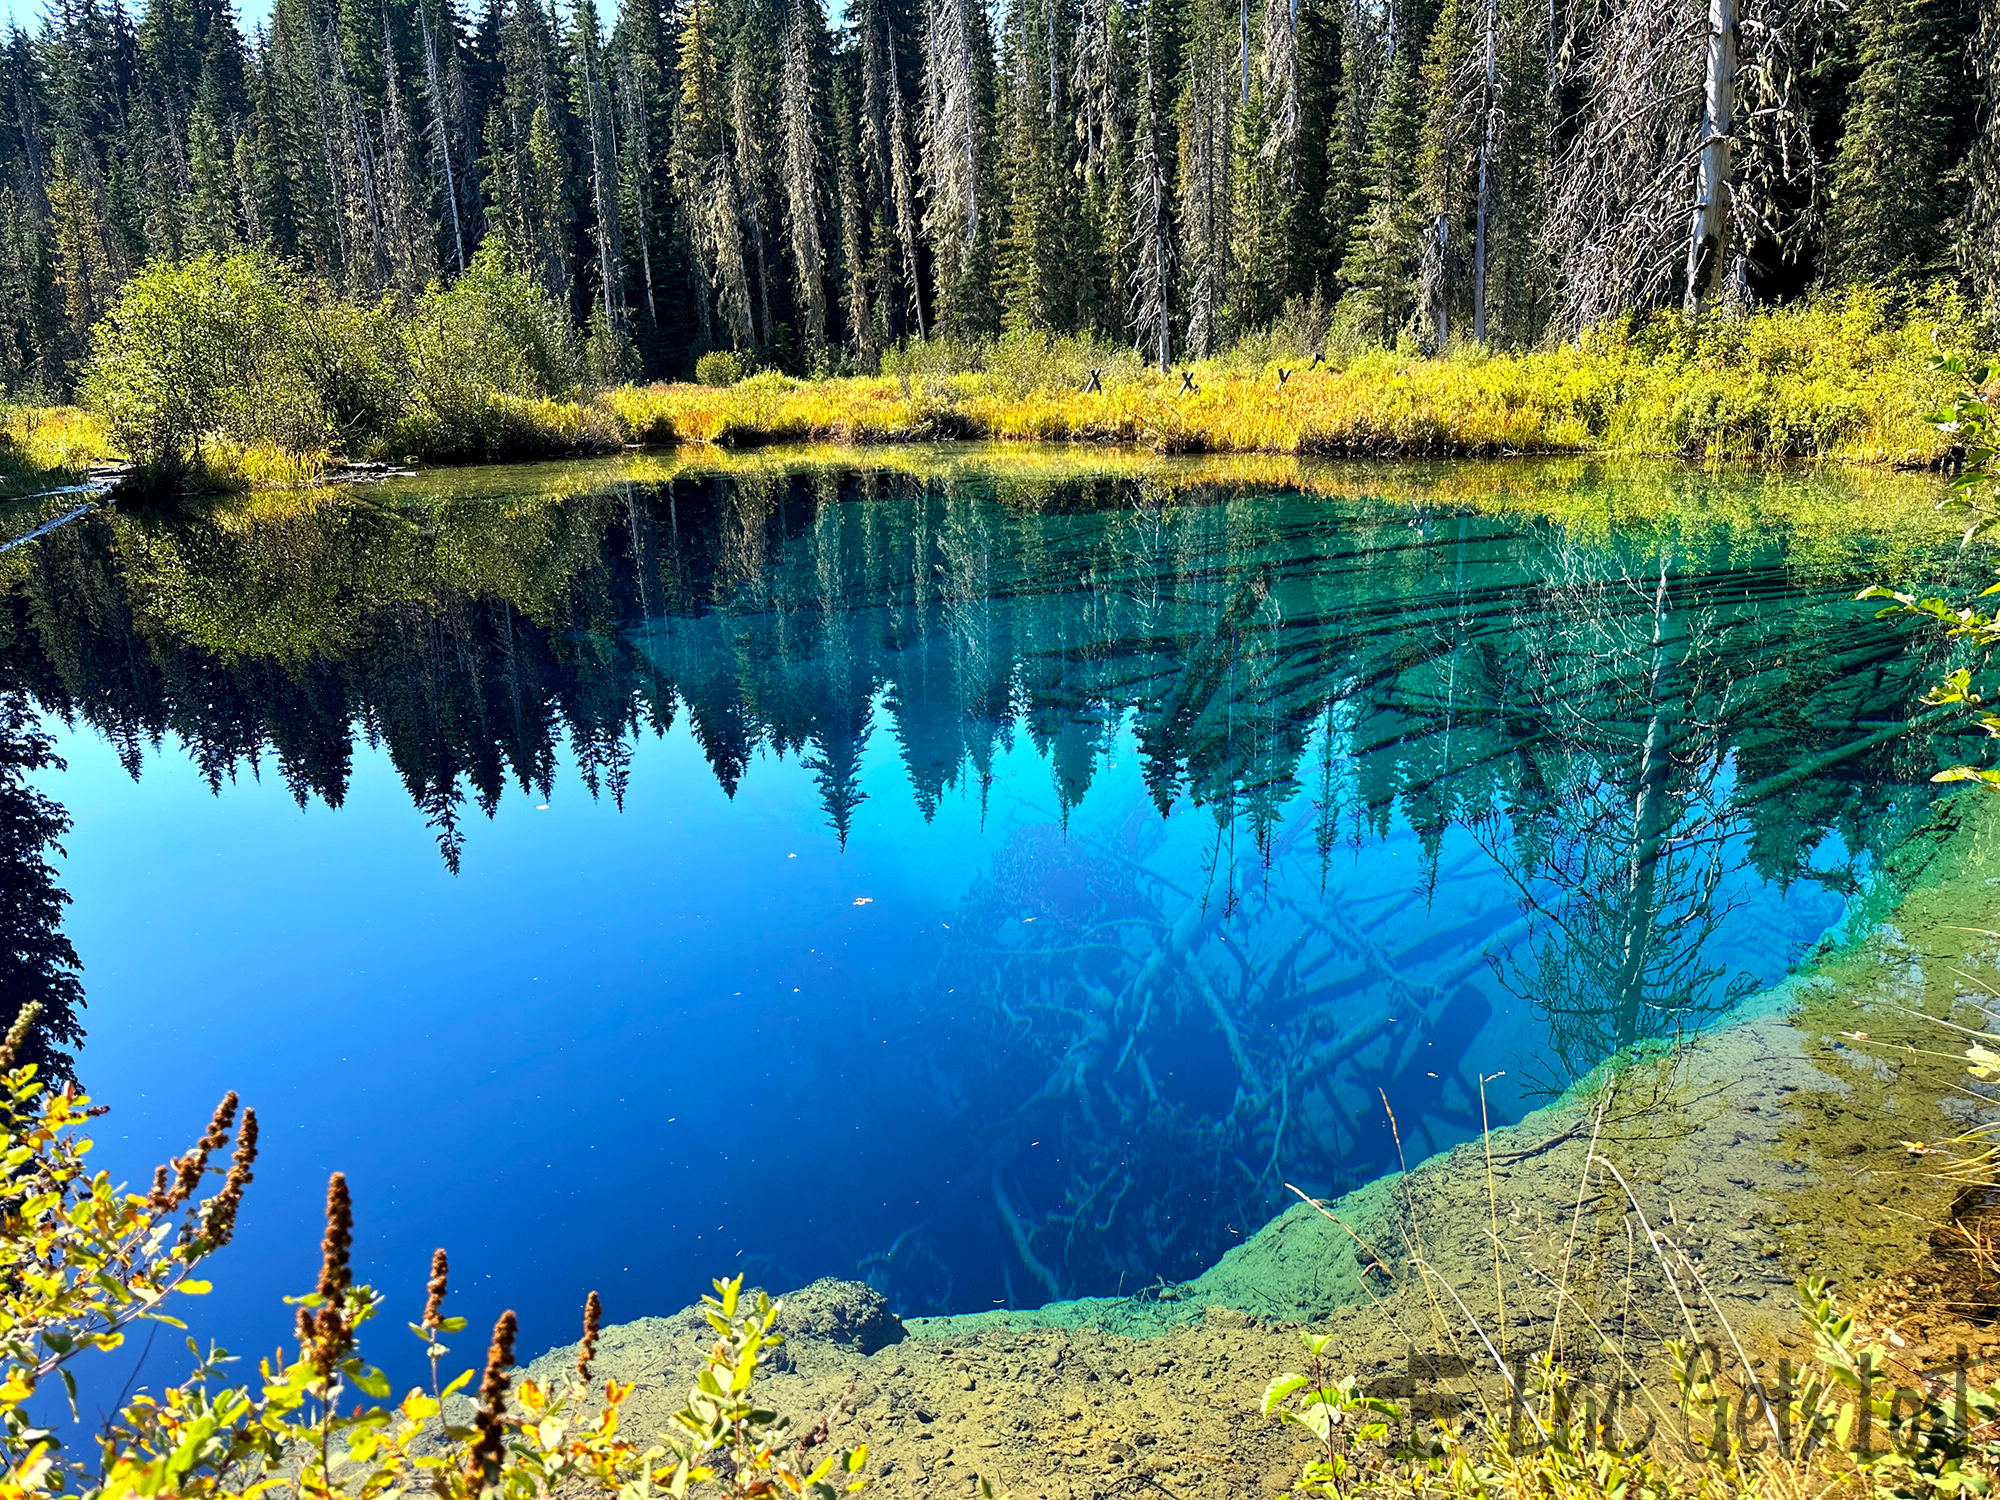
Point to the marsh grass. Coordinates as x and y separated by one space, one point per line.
1846 378
42 447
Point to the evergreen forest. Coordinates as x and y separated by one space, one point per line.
810 189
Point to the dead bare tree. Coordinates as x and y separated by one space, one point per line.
1690 106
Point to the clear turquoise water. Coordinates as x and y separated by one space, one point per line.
997 895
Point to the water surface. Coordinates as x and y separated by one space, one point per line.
994 888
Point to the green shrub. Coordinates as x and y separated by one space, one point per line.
719 367
610 358
491 332
221 354
351 366
199 349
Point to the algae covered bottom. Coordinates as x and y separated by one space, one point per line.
990 882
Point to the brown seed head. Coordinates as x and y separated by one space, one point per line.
219 1220
491 1419
335 1273
220 1121
434 1291
190 1169
331 1338
18 1033
161 1198
593 1323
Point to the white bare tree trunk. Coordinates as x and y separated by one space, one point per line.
1708 243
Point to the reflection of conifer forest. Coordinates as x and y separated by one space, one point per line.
1618 760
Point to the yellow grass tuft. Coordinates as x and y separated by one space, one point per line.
1844 378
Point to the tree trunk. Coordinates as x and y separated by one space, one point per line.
1243 46
1708 244
440 124
1491 103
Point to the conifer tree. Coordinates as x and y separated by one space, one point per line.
888 182
705 177
1891 198
528 173
1379 271
1207 113
861 271
800 132
1152 247
753 136
1100 83
1269 252
213 201
646 128
1350 109
443 85
82 268
408 240
957 163
1452 83
1043 261
591 100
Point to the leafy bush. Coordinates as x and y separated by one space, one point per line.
610 358
493 332
203 361
719 367
350 368
82 1261
197 349
1031 361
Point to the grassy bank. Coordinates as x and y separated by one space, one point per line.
44 447
475 376
1844 378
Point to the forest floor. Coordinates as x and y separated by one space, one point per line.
1775 1149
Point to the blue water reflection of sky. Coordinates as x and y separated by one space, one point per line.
512 1060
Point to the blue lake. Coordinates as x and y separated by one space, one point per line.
995 890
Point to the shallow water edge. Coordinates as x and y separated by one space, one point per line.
1761 1153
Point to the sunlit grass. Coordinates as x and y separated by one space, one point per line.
45 446
228 466
1844 378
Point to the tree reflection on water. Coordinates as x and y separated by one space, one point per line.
1588 744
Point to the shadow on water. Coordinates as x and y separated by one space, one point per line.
1360 804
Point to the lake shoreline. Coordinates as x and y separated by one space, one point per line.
1740 1147
1846 379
